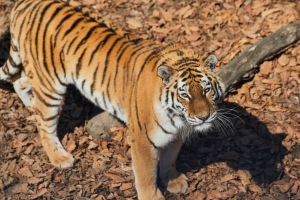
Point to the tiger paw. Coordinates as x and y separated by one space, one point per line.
61 159
178 184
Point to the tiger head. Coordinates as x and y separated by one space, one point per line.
191 88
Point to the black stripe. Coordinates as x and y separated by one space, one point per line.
13 47
65 18
78 8
94 80
48 118
152 143
5 69
103 25
36 94
75 23
164 130
97 102
167 97
189 65
108 89
54 65
23 10
172 99
59 27
12 62
50 96
112 47
136 112
82 84
71 43
78 66
62 62
72 76
18 4
101 44
104 102
136 41
151 56
120 54
67 3
54 124
83 40
172 121
48 132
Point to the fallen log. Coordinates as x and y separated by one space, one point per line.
245 65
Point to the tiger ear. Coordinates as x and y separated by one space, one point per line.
165 73
211 62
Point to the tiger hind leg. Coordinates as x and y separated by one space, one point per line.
11 71
47 104
13 64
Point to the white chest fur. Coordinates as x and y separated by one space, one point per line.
166 129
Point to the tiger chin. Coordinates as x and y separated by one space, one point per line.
163 93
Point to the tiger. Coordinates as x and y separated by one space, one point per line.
163 93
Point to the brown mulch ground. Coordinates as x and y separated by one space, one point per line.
256 156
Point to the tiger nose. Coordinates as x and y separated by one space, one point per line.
203 117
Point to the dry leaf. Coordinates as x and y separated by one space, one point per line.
83 139
71 145
20 188
270 11
134 23
29 149
40 192
96 187
17 143
244 176
27 159
126 186
114 177
92 145
166 15
188 13
255 189
227 177
284 60
33 180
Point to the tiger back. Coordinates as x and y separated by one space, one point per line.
163 93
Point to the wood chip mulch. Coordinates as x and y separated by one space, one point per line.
255 156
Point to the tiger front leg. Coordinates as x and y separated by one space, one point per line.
144 160
48 114
174 181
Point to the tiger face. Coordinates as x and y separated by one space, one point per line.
192 93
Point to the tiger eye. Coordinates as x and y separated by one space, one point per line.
206 90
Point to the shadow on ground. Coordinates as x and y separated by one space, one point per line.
249 146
